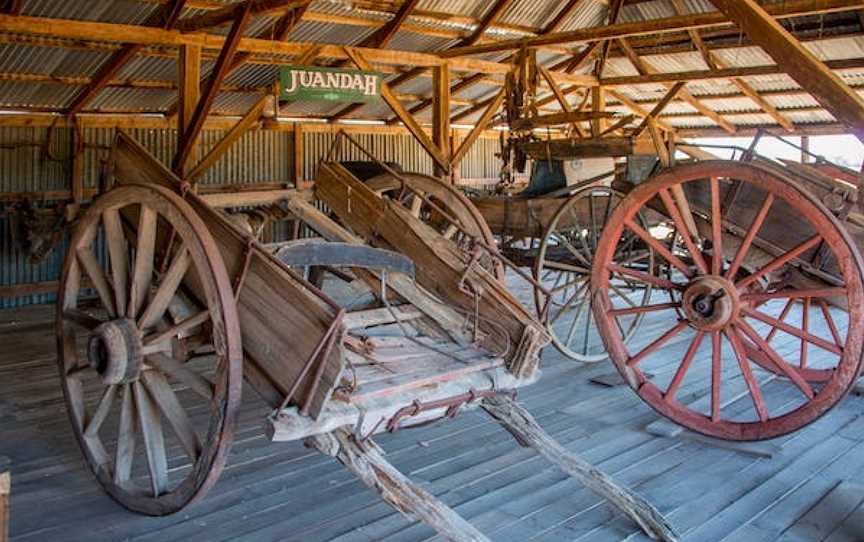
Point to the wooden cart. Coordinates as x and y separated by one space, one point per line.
165 307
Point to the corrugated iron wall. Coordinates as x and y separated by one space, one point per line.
36 159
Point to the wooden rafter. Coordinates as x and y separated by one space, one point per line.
166 17
644 69
661 105
410 75
827 88
409 121
612 17
637 109
247 122
714 63
472 80
382 36
191 132
228 14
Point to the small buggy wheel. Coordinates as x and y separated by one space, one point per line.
763 334
563 266
149 349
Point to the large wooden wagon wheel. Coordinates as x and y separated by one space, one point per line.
425 197
149 349
564 263
729 359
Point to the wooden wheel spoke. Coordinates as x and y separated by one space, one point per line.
645 308
818 341
749 236
826 314
795 294
173 411
716 374
125 437
154 440
102 411
585 335
805 326
566 285
683 230
780 261
569 302
622 295
669 395
97 276
573 250
645 277
576 316
561 266
171 366
81 319
772 354
657 343
118 256
716 228
165 292
659 248
747 373
182 327
144 252
783 314
633 258
451 230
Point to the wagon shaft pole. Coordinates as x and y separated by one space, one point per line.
525 429
366 460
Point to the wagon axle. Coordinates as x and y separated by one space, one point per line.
114 351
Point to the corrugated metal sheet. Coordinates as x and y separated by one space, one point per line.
400 148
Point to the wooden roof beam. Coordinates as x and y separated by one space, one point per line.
645 69
166 17
715 63
790 8
845 104
226 15
491 108
189 137
661 105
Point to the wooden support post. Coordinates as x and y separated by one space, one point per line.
399 110
525 429
366 460
77 181
805 149
441 113
189 136
5 489
846 105
299 166
189 76
598 105
249 121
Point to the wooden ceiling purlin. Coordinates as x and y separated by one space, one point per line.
844 103
790 8
473 80
489 17
166 18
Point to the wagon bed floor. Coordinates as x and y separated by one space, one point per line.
812 489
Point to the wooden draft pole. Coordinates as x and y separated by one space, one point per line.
827 88
190 134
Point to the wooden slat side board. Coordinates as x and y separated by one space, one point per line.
441 267
282 322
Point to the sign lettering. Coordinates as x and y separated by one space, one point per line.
330 84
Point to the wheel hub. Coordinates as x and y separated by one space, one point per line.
114 351
710 302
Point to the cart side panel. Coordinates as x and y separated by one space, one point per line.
281 322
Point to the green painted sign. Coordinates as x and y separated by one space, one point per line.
329 84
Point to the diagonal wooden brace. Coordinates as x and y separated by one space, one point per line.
366 460
519 423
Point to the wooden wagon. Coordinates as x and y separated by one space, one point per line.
165 307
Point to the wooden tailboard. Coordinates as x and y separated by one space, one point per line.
440 266
281 320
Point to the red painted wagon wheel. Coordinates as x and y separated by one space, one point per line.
443 197
718 365
148 339
563 265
